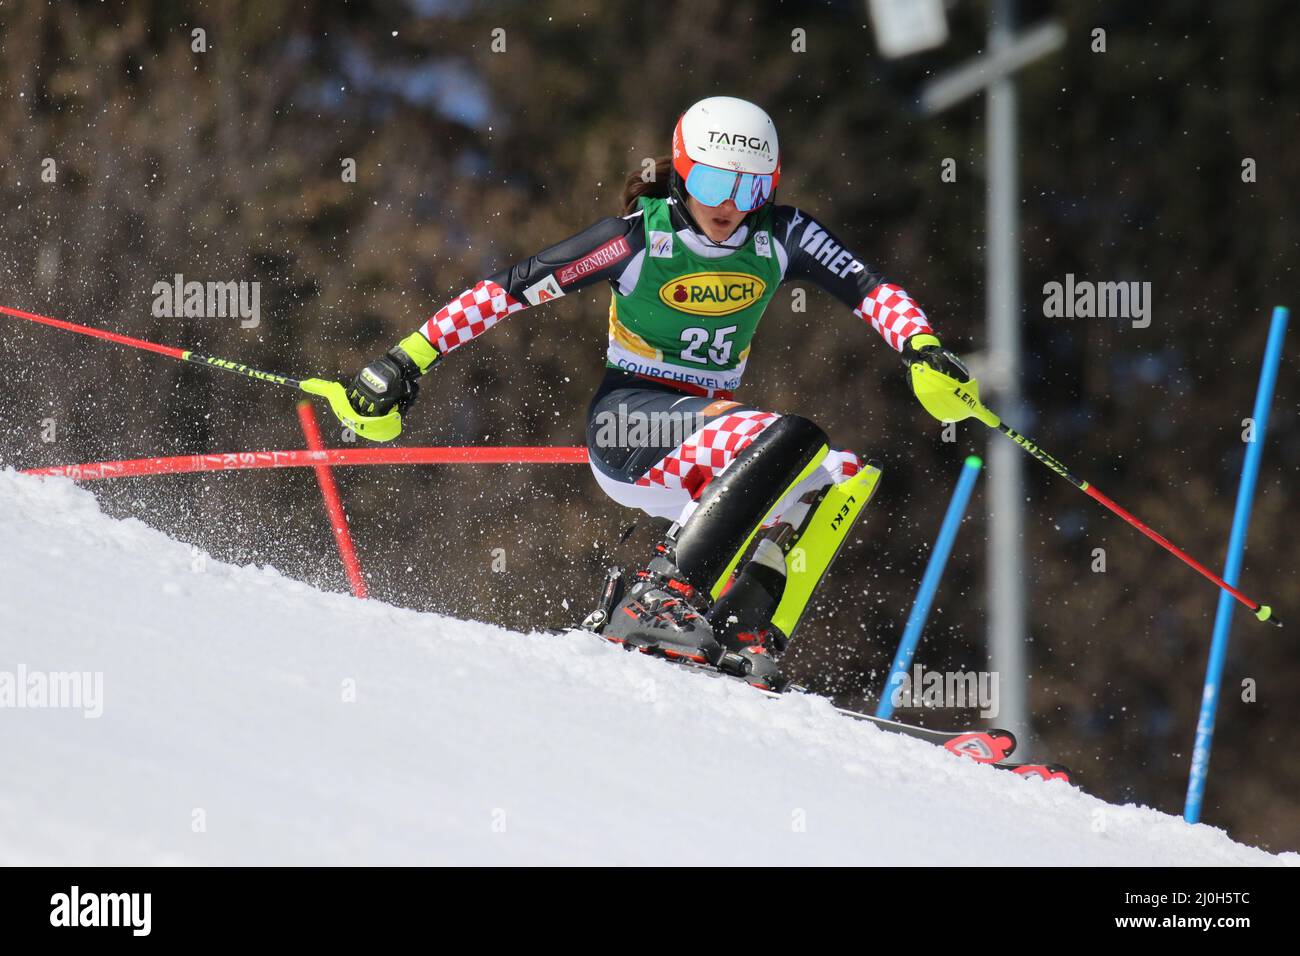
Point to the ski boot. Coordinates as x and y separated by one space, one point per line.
658 614
756 662
742 620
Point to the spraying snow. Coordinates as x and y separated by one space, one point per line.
244 718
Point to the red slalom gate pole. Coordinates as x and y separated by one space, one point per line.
333 505
305 458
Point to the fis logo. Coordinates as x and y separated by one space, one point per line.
712 293
661 245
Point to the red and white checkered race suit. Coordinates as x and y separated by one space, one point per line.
670 485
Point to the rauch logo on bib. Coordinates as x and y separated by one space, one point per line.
712 293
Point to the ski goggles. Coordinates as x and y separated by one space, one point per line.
713 186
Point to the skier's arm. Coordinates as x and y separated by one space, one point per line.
814 254
598 253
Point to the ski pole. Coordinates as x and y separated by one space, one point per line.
374 427
954 399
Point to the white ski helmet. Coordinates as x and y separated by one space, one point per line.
725 148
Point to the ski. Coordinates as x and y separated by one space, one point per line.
982 746
991 747
1040 771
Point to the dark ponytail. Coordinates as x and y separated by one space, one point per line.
636 185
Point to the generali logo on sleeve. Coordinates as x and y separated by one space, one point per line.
608 254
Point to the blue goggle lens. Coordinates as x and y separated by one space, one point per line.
712 187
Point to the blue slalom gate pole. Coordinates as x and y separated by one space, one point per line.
1232 570
929 584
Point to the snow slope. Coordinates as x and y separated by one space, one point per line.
225 737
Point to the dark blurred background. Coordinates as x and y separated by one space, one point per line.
226 165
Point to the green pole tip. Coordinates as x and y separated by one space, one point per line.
974 461
1264 612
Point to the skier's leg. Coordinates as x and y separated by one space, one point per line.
657 612
724 480
658 450
770 477
751 482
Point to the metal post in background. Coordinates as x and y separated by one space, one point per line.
993 73
1007 632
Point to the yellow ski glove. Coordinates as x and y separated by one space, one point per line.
373 404
940 381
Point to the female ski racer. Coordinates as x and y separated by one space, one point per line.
692 265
